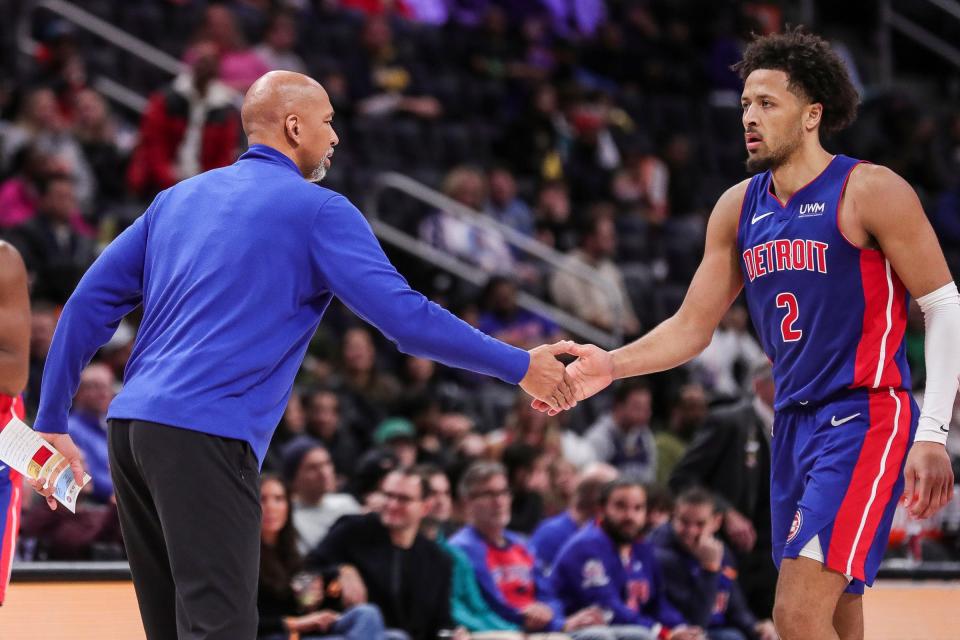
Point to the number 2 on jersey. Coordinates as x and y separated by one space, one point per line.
788 301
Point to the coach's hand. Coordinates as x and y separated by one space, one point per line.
63 443
546 379
929 480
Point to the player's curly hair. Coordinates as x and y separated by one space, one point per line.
815 73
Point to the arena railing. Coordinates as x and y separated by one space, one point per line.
558 261
893 20
108 32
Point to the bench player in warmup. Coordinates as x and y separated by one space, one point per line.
827 249
14 356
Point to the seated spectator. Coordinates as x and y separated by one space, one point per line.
325 425
277 48
406 575
554 224
40 123
398 436
527 425
43 321
366 484
383 79
87 424
607 565
732 348
467 606
504 205
478 245
239 65
106 145
20 193
527 473
687 416
505 320
598 246
368 392
189 127
55 254
564 477
316 505
731 454
701 580
622 436
290 601
511 584
642 186
585 506
92 533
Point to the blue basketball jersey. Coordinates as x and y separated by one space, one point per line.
830 315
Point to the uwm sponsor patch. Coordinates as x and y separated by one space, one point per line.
808 209
785 255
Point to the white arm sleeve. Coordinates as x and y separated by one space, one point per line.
941 314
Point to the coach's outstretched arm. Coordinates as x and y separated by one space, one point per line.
681 337
887 209
357 271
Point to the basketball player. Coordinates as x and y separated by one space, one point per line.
14 354
827 249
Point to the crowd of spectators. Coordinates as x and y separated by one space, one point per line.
401 497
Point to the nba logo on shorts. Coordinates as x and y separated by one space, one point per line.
795 526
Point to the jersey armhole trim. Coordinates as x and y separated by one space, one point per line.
836 219
743 203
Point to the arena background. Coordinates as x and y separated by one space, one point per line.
484 141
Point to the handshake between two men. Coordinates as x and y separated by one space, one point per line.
556 387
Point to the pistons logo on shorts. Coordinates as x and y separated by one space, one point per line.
795 526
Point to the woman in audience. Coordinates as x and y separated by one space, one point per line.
297 604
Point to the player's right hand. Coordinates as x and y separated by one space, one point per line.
546 378
589 374
929 480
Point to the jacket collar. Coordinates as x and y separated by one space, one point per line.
269 154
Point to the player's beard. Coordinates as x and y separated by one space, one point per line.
776 157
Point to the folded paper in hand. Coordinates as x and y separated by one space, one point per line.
26 452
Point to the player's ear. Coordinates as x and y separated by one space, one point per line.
814 113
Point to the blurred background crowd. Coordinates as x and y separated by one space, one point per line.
604 131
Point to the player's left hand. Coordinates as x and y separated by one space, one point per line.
929 480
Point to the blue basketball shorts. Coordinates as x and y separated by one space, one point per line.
836 477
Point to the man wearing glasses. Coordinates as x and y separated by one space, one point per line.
406 575
509 579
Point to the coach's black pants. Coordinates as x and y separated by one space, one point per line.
189 508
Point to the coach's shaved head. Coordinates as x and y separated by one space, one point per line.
292 113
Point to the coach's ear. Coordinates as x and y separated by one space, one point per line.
813 115
291 127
